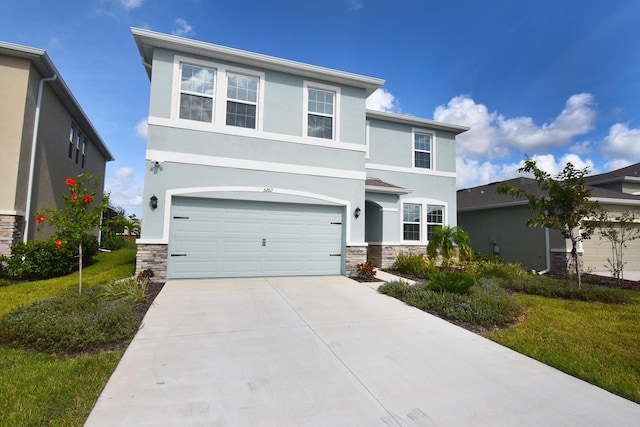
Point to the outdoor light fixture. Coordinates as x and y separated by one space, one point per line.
154 201
356 213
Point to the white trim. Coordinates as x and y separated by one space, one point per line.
14 213
389 209
227 162
419 171
367 139
614 201
169 194
306 85
252 133
432 149
152 241
358 245
407 243
423 202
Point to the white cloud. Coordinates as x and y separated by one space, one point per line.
356 4
131 4
141 128
493 135
583 148
125 190
182 28
382 100
622 142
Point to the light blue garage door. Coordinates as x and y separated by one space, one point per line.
226 238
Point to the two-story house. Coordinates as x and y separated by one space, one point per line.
45 136
261 166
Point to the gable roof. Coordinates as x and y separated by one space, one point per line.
487 197
45 67
629 173
147 40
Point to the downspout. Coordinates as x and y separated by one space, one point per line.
34 146
547 245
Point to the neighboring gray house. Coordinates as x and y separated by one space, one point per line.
496 223
45 136
261 166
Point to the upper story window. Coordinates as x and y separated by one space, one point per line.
435 218
72 133
321 110
422 150
242 100
411 221
78 144
84 154
196 93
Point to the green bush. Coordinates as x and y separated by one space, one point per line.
416 265
113 242
42 259
4 282
488 305
69 324
129 289
451 281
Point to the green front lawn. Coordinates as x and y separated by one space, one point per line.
42 389
596 342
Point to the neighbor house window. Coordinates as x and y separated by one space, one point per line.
320 113
196 93
84 155
422 150
78 143
72 133
435 218
411 221
242 100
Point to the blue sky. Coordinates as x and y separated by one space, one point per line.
555 79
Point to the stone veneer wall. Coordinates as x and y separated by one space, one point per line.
355 255
154 257
561 262
10 234
383 256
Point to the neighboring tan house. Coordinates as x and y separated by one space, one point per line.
45 138
496 223
261 166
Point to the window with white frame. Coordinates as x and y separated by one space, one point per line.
78 144
411 214
84 153
422 150
320 113
196 93
242 100
435 218
72 134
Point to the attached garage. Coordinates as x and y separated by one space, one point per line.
597 250
230 238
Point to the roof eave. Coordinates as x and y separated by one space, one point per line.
416 121
147 40
386 190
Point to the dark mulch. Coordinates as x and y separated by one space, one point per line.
363 279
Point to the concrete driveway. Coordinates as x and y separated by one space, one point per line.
328 351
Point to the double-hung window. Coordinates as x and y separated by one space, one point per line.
78 144
320 113
242 100
435 218
72 133
196 93
422 150
411 214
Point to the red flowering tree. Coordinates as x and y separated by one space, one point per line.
81 214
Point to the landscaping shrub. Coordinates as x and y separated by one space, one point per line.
416 265
488 305
42 259
113 242
4 282
366 270
451 281
131 290
69 324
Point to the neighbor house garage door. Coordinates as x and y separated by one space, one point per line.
225 238
597 249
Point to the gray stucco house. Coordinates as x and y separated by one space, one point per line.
46 137
261 166
496 223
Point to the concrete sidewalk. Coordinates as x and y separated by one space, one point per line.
328 351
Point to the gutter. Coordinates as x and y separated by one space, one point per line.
32 163
547 245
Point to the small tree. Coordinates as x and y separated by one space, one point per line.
563 205
81 214
445 239
619 230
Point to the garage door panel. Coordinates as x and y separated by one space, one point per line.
223 238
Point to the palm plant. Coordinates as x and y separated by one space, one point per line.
444 242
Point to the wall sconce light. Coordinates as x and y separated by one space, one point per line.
154 201
356 213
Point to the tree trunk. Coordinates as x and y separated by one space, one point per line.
574 255
80 268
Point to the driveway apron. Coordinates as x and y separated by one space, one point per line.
328 351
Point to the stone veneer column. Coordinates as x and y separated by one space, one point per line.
383 256
355 255
561 262
154 257
10 234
